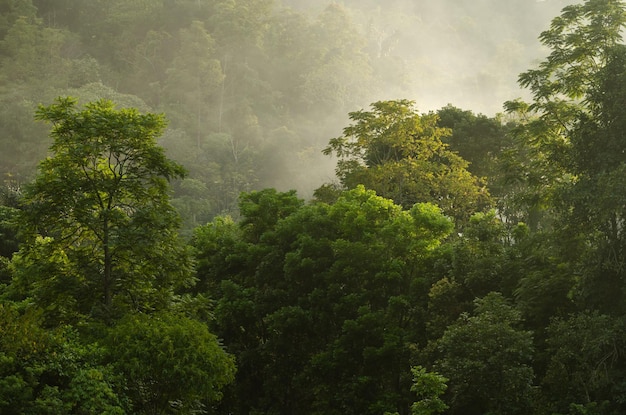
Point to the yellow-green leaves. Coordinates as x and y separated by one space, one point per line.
397 152
101 199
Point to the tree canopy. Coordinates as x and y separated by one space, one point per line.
462 264
98 280
98 215
399 153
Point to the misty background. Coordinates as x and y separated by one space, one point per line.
464 53
253 90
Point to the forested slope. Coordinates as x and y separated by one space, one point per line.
153 259
253 90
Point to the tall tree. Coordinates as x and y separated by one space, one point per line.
340 75
574 145
193 78
581 40
593 206
102 230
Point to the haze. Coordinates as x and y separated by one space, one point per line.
254 90
467 53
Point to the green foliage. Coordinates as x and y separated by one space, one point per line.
341 74
486 358
29 47
100 201
586 356
51 280
321 297
476 262
400 154
571 152
429 387
546 289
168 362
480 140
50 372
216 239
193 78
231 75
570 161
8 231
592 206
262 210
24 142
325 306
581 41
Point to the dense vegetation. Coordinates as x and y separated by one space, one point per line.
458 264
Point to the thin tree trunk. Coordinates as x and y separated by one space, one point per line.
108 264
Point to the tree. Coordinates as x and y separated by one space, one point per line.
473 264
102 231
480 140
399 154
49 371
581 41
486 358
586 366
429 387
8 240
573 146
31 48
320 303
340 74
194 77
592 207
9 203
169 362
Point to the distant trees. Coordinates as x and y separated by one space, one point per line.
252 89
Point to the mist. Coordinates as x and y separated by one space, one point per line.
254 90
467 54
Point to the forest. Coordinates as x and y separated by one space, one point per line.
248 207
